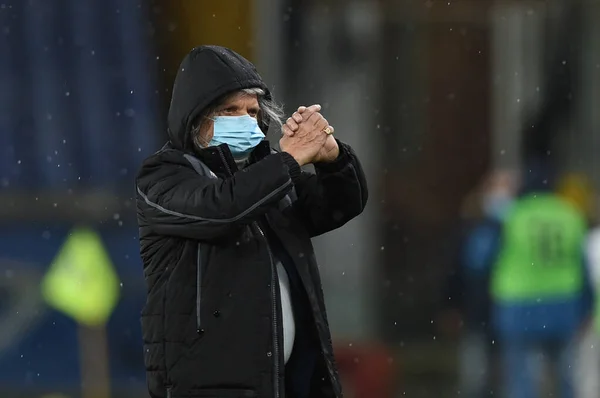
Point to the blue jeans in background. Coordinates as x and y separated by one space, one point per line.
524 363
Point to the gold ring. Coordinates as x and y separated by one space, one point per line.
328 130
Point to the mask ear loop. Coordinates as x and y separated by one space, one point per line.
202 141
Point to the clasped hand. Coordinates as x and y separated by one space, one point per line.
306 139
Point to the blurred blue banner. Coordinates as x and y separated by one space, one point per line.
78 106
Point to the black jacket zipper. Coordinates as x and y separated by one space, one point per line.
199 329
274 286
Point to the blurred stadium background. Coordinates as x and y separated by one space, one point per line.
432 94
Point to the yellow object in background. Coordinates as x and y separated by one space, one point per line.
577 189
81 281
225 23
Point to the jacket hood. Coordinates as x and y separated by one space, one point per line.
206 74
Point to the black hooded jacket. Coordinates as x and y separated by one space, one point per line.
208 235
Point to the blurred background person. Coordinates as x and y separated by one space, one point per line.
540 288
467 299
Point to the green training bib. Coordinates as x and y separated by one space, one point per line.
542 251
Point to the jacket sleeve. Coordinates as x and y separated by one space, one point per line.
334 195
175 200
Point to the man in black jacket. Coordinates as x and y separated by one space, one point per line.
234 305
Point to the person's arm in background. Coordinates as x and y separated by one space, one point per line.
482 249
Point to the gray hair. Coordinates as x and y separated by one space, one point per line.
271 110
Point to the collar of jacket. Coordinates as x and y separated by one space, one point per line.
220 160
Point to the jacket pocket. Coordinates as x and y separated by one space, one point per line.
223 393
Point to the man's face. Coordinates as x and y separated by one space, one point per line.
238 104
503 182
499 193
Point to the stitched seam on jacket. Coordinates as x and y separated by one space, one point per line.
215 220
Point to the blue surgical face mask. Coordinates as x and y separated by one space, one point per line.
240 133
